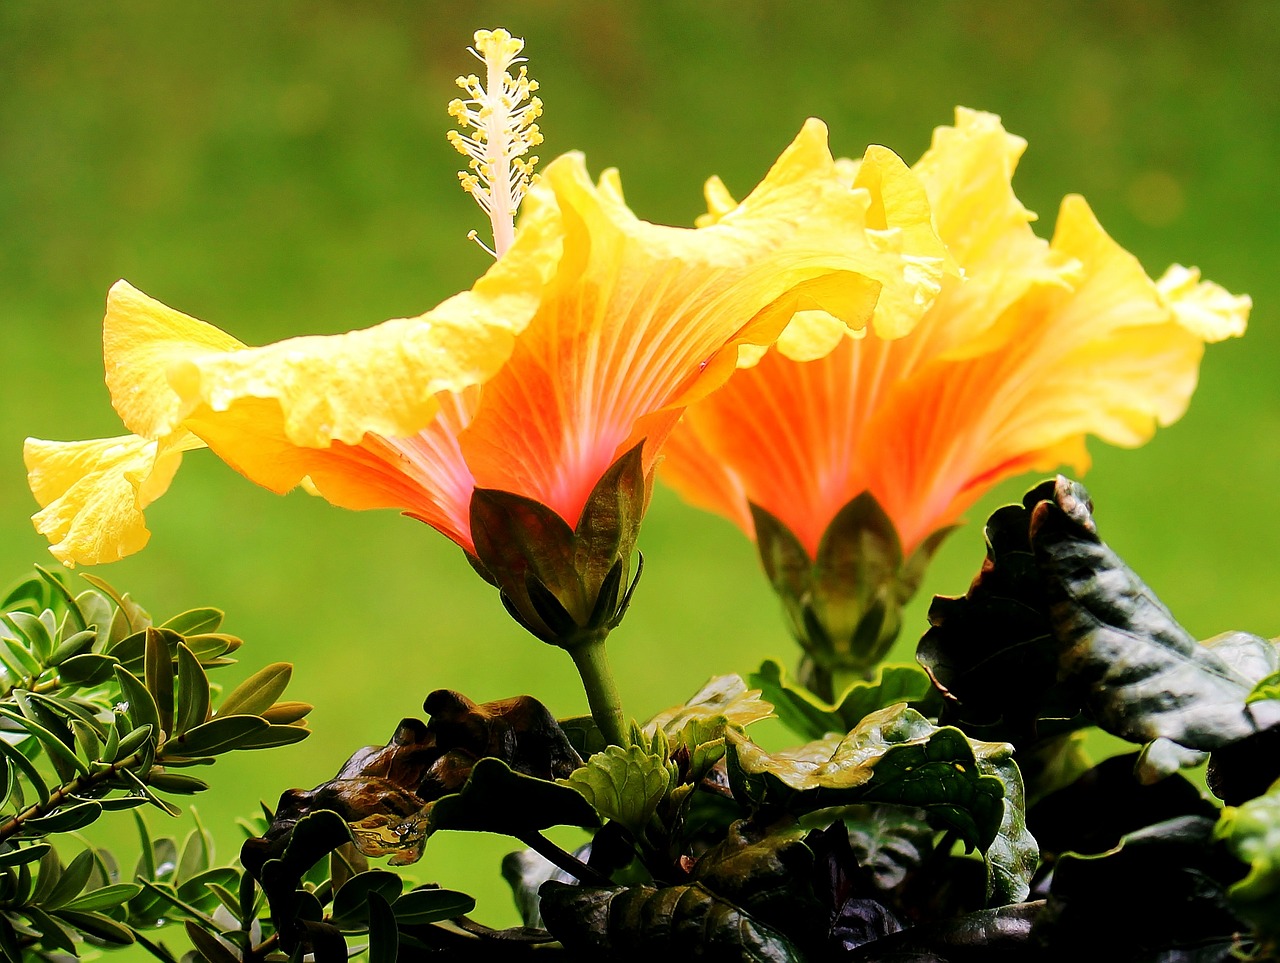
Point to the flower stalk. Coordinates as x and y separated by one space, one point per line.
592 662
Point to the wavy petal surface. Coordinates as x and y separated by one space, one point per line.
1037 346
92 493
643 319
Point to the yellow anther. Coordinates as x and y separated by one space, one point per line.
500 114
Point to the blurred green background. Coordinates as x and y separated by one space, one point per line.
280 168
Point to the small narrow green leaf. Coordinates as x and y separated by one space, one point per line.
195 621
159 676
141 707
384 933
197 852
73 645
431 905
350 902
50 743
99 925
13 855
135 617
28 770
275 736
211 948
53 934
131 743
219 734
60 590
87 669
72 880
258 692
66 818
21 657
104 897
192 692
35 632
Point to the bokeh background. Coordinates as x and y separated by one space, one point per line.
280 168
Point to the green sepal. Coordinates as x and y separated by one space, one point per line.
562 584
844 604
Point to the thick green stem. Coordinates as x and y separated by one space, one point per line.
602 694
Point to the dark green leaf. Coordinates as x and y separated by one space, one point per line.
159 675
351 901
14 855
192 692
640 923
59 589
384 934
176 782
104 897
1162 888
135 617
197 851
210 947
258 692
1001 935
197 891
766 877
66 818
1146 676
583 734
97 924
431 905
88 669
141 709
888 841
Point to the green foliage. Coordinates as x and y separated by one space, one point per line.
99 707
1252 831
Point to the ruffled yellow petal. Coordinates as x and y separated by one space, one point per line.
1205 309
92 493
641 319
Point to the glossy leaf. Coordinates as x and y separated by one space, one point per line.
1252 831
812 718
641 923
888 841
66 818
104 897
1013 856
726 696
497 800
141 707
893 756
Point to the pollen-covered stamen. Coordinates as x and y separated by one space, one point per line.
501 115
